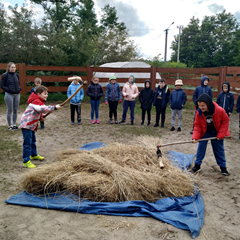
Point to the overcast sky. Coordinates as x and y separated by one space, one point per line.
147 20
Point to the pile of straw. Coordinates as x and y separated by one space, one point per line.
115 173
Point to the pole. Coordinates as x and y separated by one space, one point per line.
166 30
180 28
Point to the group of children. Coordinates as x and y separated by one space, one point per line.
211 119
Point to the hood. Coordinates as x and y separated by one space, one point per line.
146 82
203 79
207 99
35 99
133 79
77 85
227 83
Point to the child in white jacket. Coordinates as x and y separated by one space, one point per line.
130 92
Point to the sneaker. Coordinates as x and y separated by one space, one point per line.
122 122
116 121
10 128
97 121
79 122
42 127
38 157
156 125
29 164
162 125
92 121
15 127
191 132
196 168
179 129
149 124
72 122
172 129
110 121
132 122
142 123
224 171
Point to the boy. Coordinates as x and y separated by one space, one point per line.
210 121
146 99
238 112
177 99
29 124
75 103
203 88
225 99
160 101
38 82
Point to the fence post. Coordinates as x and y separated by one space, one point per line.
22 77
89 73
222 78
153 77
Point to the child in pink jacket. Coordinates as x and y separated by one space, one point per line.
130 92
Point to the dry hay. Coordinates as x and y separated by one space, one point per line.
115 173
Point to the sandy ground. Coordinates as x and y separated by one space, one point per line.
221 194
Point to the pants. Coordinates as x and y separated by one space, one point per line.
127 104
113 109
148 115
76 108
12 102
174 113
94 108
29 144
239 125
160 110
218 150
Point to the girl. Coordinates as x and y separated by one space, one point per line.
95 92
130 92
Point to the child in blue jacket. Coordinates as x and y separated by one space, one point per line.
238 112
112 95
225 99
177 99
75 103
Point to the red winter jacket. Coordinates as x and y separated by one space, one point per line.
220 121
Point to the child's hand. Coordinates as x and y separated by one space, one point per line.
58 106
42 119
106 103
229 114
194 141
120 100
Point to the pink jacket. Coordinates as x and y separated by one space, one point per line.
130 93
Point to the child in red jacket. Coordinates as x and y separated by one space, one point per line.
211 121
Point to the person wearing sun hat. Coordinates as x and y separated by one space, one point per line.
177 99
113 94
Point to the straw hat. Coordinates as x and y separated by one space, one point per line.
178 82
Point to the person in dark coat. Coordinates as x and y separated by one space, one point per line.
225 99
160 101
146 100
95 92
238 112
11 88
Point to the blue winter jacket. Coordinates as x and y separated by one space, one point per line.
72 89
202 89
165 96
177 99
109 92
226 100
238 104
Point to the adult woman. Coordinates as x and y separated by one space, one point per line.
11 87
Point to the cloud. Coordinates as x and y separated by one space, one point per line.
201 1
129 15
237 16
214 8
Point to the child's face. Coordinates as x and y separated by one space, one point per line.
112 81
12 68
203 106
130 80
178 86
225 89
205 82
43 95
162 84
37 84
95 80
147 84
75 82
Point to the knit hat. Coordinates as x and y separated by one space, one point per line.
133 78
112 78
178 82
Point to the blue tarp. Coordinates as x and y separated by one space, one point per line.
184 213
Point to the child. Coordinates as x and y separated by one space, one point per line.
225 99
29 124
112 95
177 99
75 102
38 82
161 99
210 121
203 88
238 112
146 100
95 92
130 92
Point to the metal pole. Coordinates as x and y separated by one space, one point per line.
180 28
165 55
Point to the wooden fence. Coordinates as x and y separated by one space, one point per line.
191 77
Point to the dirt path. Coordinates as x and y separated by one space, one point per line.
221 194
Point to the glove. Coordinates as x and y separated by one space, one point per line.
106 103
120 100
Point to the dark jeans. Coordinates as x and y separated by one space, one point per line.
76 108
148 115
29 144
160 110
94 108
113 109
127 104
